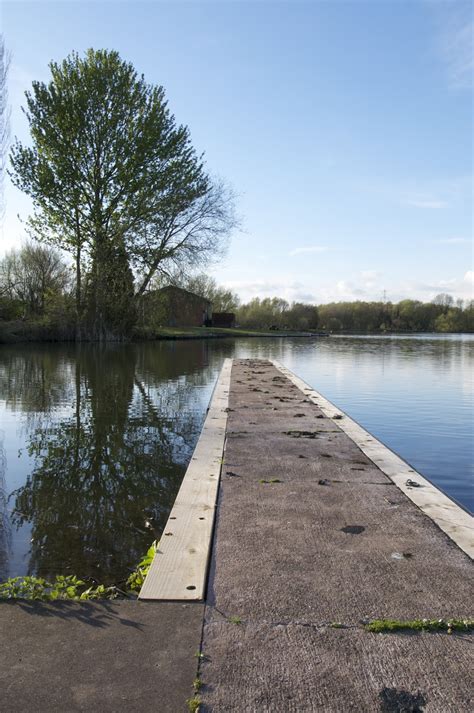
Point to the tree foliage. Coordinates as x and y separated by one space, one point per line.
32 277
115 181
441 315
276 312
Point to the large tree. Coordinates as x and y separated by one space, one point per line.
115 181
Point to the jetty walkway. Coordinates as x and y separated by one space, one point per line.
312 535
315 530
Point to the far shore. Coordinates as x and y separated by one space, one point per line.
18 332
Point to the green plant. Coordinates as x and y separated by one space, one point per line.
60 587
449 625
136 579
71 587
235 620
193 704
272 480
197 684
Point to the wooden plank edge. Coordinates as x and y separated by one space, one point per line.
450 517
159 584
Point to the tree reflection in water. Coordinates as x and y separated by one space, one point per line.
4 520
105 475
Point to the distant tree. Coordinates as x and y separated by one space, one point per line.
263 313
444 300
450 321
468 314
31 275
302 316
115 181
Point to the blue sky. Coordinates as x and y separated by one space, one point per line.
345 128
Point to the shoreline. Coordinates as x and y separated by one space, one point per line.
18 333
34 333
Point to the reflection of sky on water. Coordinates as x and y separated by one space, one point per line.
82 426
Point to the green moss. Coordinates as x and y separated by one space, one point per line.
193 704
272 480
449 625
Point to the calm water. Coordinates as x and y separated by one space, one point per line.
94 441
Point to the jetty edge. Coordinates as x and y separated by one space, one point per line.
179 568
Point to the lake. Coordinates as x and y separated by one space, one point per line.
94 441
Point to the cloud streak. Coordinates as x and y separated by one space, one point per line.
308 249
454 241
430 204
457 50
288 289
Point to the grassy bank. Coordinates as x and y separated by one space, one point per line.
34 331
29 331
210 333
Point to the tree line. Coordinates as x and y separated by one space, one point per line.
443 314
37 284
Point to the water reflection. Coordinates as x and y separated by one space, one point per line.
112 432
5 532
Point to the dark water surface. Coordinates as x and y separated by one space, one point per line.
94 441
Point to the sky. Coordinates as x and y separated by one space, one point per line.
345 129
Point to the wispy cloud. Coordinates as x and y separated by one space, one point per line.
290 290
453 42
370 274
454 241
458 287
364 285
420 203
308 249
457 47
370 279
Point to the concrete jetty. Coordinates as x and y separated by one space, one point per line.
314 530
312 539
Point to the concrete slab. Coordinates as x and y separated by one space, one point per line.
105 656
310 531
448 515
292 668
